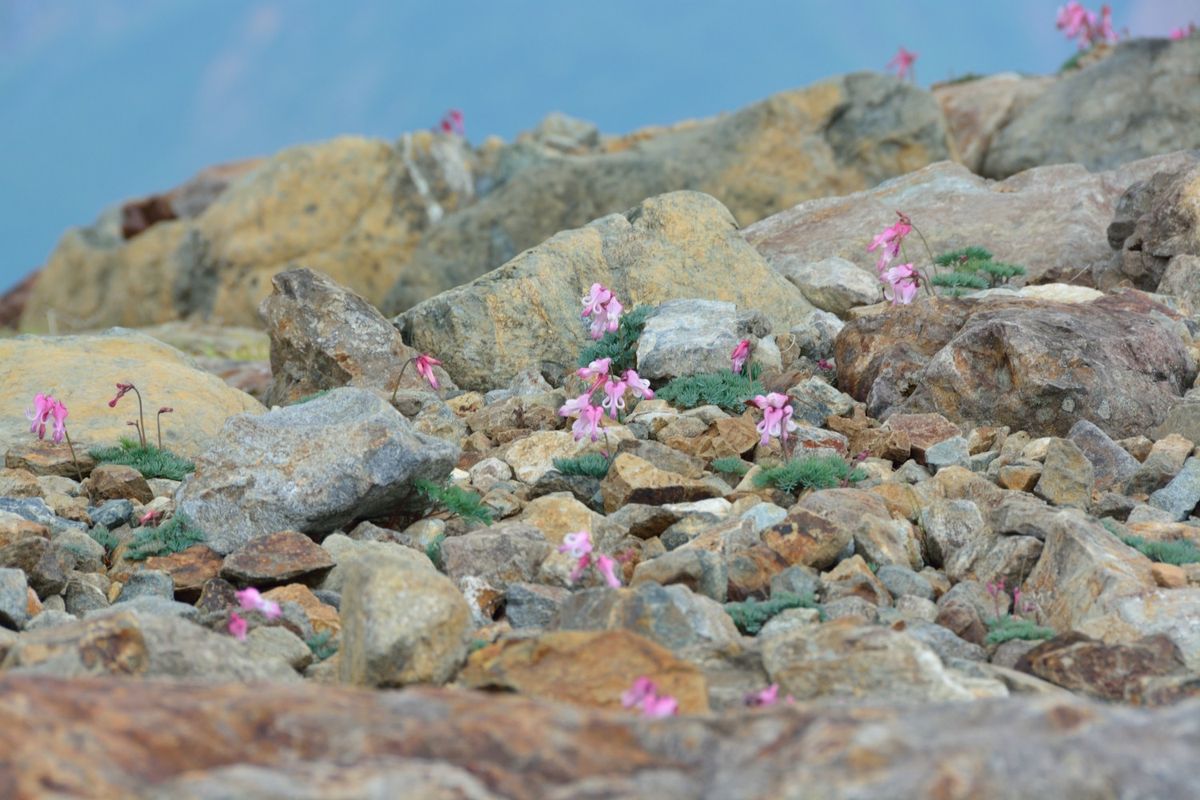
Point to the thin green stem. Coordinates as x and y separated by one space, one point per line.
78 471
141 417
399 378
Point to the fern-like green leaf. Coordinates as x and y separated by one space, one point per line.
810 472
727 390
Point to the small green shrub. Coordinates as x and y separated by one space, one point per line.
148 460
621 344
810 472
592 465
434 550
477 644
1008 627
730 466
104 538
459 502
725 389
750 615
173 536
1175 551
310 397
972 268
961 255
322 645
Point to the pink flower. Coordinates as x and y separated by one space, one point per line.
238 626
638 385
452 122
150 516
890 240
59 412
576 545
608 321
614 396
576 406
903 62
1183 33
740 354
122 390
251 600
1076 22
777 417
824 364
425 365
607 567
43 405
766 697
596 371
901 284
595 300
644 695
588 423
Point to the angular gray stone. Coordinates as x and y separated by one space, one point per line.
814 337
673 616
35 509
952 452
834 284
701 571
1180 496
504 553
950 525
150 606
147 583
46 567
312 467
690 337
112 513
1111 463
901 581
533 605
1067 475
14 598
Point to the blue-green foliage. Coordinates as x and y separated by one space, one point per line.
592 465
726 389
621 344
460 502
972 268
173 536
1008 627
750 615
322 645
1171 551
148 460
730 466
810 472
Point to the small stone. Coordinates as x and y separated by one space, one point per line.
1112 465
913 608
799 580
19 483
1180 496
190 569
46 567
902 581
950 452
276 558
112 514
1169 576
701 571
44 457
834 285
634 480
923 431
1067 475
1021 477
275 641
118 482
533 605
322 617
14 611
148 583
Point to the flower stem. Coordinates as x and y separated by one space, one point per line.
400 377
78 471
158 425
141 417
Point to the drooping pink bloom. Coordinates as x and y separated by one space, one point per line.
1076 22
150 516
166 410
890 240
638 385
250 599
596 371
1183 33
588 423
576 545
43 405
900 284
425 365
238 626
777 417
607 567
1073 19
595 300
59 412
609 320
644 696
739 355
764 697
902 63
122 390
452 122
576 405
642 688
614 396
660 706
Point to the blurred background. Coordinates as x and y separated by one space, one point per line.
105 100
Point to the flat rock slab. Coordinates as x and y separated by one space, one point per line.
276 558
222 736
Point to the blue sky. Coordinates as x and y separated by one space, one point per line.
103 100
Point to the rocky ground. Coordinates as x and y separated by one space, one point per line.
1002 599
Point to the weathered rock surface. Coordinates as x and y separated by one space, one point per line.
1151 99
978 108
324 336
1050 220
1117 362
302 468
1156 229
350 207
691 337
82 371
526 313
839 135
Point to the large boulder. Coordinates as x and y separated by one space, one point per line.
311 467
1118 362
526 314
351 207
837 136
1051 220
976 108
324 336
1156 228
1141 100
82 372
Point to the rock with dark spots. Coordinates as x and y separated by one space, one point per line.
533 605
701 571
634 480
673 616
14 598
1037 366
312 468
46 567
950 452
147 583
1112 465
112 513
502 554
901 581
1104 671
1179 497
942 641
190 569
1067 475
118 482
277 558
323 336
1151 86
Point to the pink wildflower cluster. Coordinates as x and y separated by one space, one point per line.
1183 33
1020 607
604 308
578 545
45 407
766 697
250 599
452 122
1076 22
739 356
900 283
902 63
777 417
645 697
424 364
588 415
